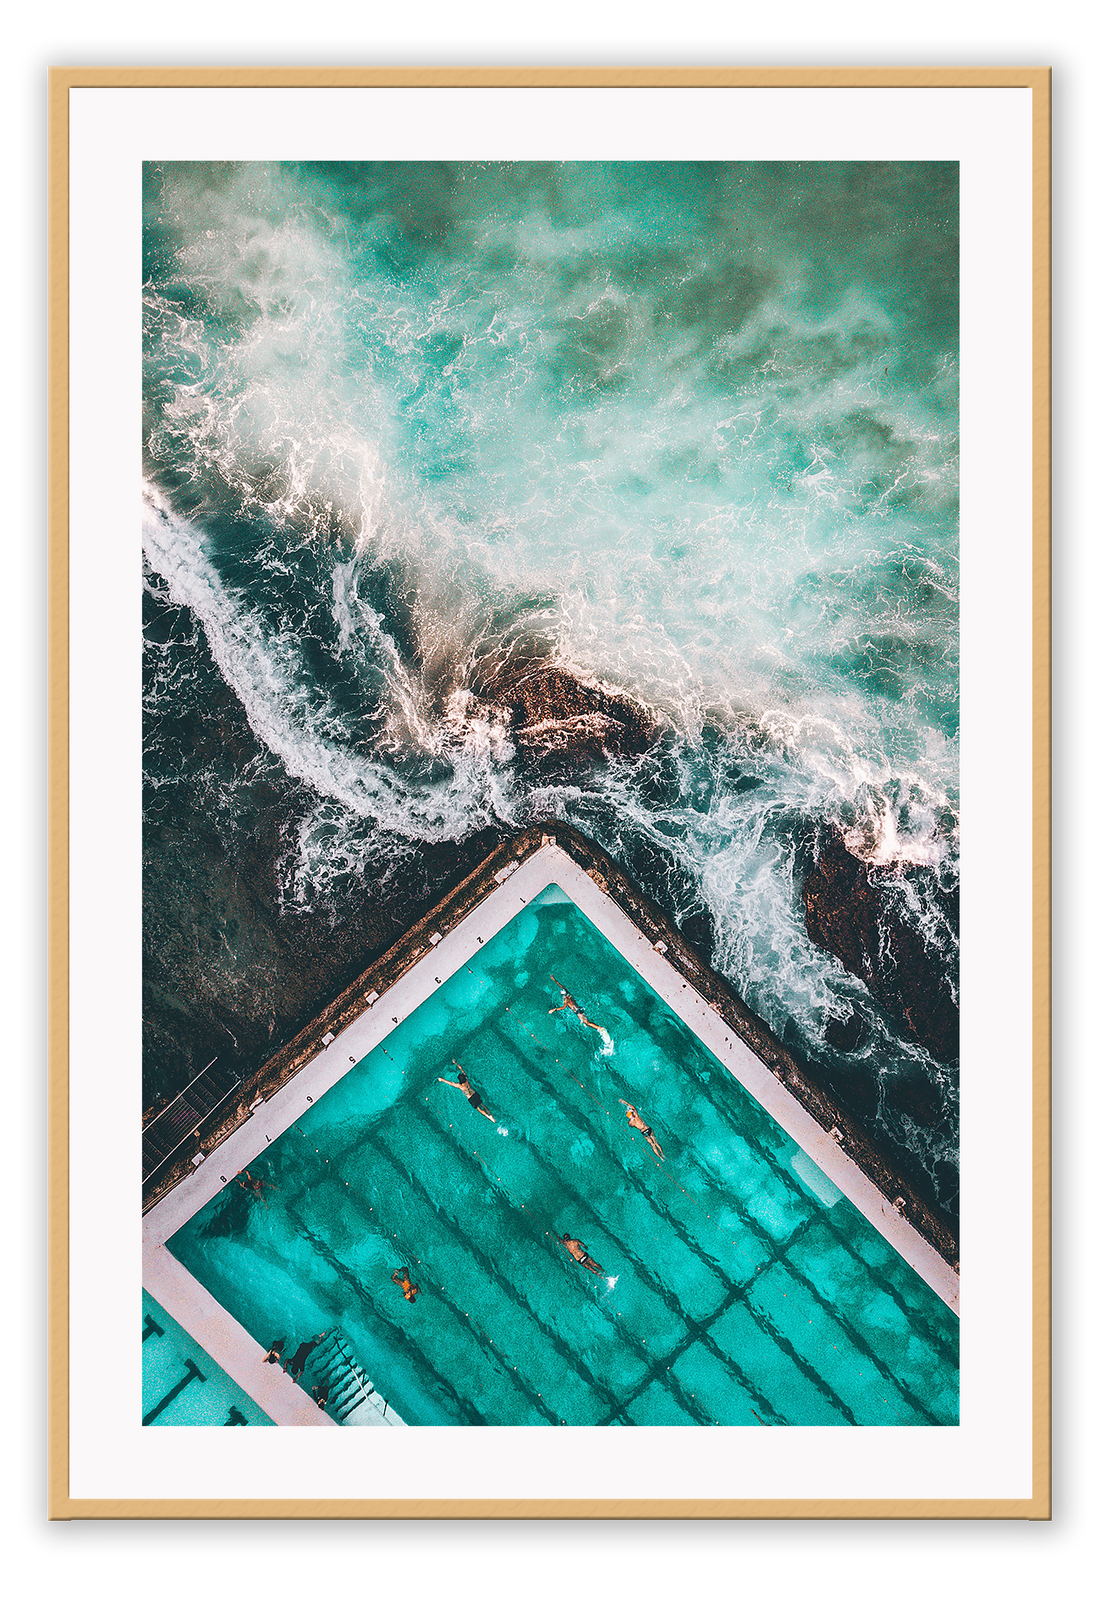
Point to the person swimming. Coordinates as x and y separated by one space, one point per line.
465 1086
253 1184
633 1118
406 1284
580 1254
275 1354
571 1003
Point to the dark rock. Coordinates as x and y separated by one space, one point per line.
849 915
918 1097
856 1089
228 970
698 931
553 712
846 1035
946 1176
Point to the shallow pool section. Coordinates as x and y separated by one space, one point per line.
736 1284
180 1384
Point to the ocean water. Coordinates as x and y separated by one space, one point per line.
690 430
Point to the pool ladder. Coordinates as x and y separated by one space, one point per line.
334 1368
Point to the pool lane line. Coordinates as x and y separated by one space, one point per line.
863 1345
416 1260
513 1203
694 1331
775 1247
915 1319
616 1128
508 1009
662 1164
478 1152
392 1238
647 1278
610 1115
399 1340
736 1292
558 1346
662 1372
189 1377
424 1099
639 1181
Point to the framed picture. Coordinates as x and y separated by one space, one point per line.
546 568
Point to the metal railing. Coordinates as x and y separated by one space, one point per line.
184 1114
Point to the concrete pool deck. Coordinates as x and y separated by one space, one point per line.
444 942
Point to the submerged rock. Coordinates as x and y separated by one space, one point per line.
853 1084
849 915
846 1035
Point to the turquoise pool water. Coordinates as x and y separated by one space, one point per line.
180 1384
737 1285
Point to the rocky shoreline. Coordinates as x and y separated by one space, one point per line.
848 913
232 972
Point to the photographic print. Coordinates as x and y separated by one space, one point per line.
483 497
552 818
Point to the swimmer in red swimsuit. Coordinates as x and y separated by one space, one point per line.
405 1283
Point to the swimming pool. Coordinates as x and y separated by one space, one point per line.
738 1285
181 1384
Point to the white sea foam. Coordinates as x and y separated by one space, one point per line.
518 422
288 714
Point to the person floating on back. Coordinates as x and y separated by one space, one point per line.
466 1088
406 1284
633 1118
580 1253
301 1355
574 1007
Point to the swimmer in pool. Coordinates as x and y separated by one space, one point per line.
275 1354
466 1088
253 1184
580 1253
574 1007
406 1284
633 1118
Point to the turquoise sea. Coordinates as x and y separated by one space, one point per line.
687 430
